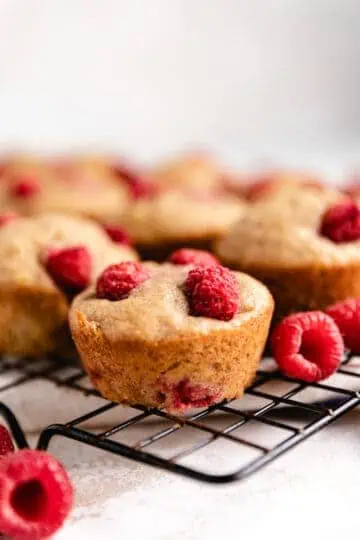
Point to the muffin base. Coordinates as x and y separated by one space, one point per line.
305 288
33 321
209 368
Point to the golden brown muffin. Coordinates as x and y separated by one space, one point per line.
149 349
297 202
33 308
172 219
194 170
263 185
84 187
282 247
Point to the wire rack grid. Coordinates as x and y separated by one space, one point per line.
275 409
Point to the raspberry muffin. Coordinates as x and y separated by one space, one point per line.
193 171
172 218
268 183
44 261
307 263
79 187
171 335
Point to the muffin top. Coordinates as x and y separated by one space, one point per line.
174 215
194 170
158 307
272 236
28 244
297 201
82 187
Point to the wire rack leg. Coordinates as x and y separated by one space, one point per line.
14 426
127 452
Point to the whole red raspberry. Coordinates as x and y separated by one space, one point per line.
307 346
212 291
35 495
118 280
6 444
197 257
7 217
25 188
139 186
70 267
118 235
347 316
341 223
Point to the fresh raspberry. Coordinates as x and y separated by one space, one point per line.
7 217
118 235
341 222
307 346
6 444
139 186
35 495
212 291
118 280
25 188
197 257
70 267
347 316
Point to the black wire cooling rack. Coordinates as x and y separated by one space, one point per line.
278 410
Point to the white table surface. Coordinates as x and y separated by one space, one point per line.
313 490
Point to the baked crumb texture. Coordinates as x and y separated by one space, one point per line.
33 309
147 349
280 245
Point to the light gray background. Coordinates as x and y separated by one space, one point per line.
249 79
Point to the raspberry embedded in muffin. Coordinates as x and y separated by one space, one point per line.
341 222
70 267
140 186
346 314
118 280
24 188
118 235
148 347
212 292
